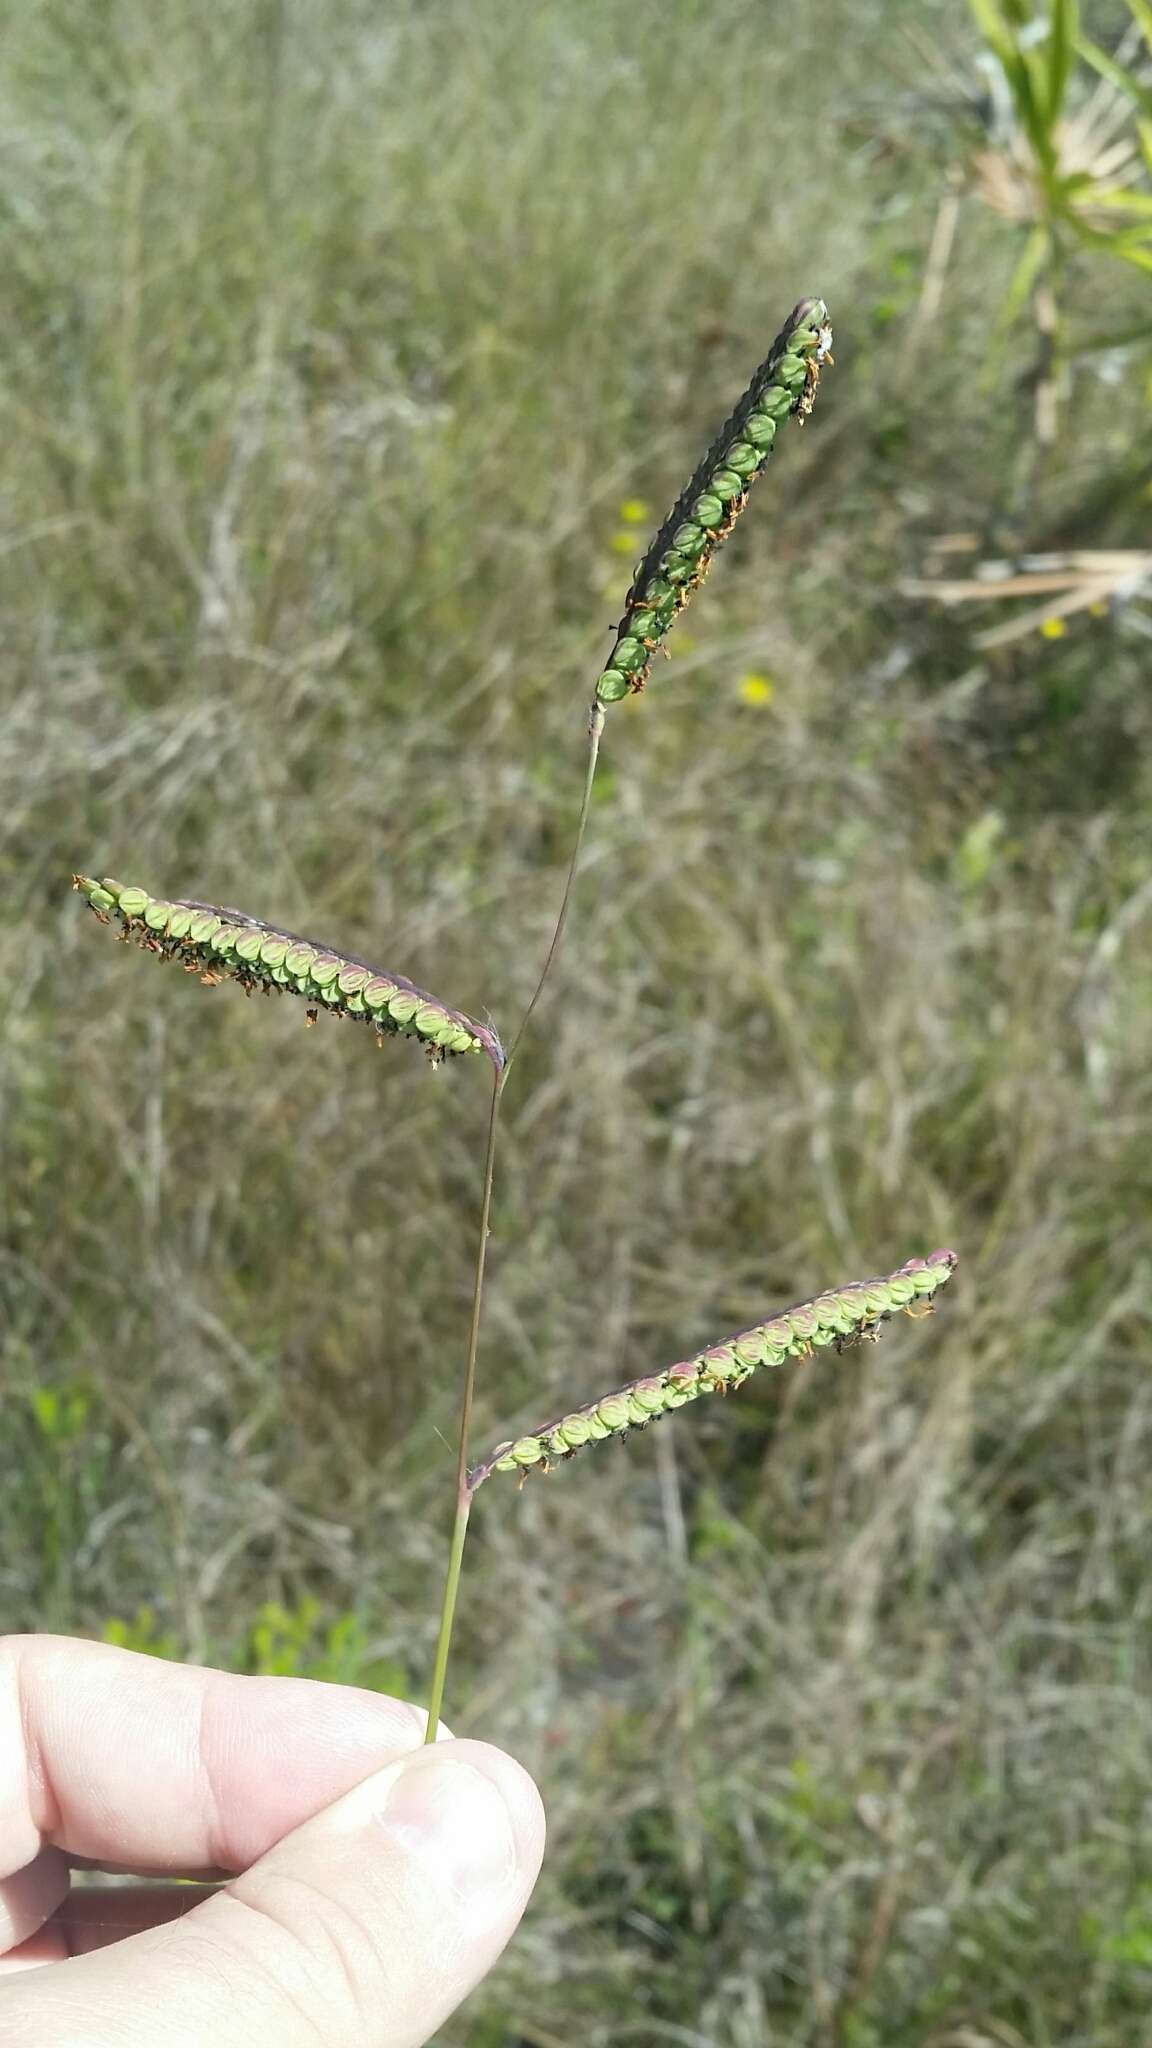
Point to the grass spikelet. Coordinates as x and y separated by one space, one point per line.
715 495
221 944
841 1316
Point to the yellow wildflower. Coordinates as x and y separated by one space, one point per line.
755 688
1053 629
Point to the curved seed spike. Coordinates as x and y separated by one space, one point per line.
715 495
853 1312
226 942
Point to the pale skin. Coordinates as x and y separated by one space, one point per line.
352 1885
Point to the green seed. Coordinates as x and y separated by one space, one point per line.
718 1362
179 924
743 458
630 654
248 946
613 1412
684 1378
708 511
377 993
750 1348
727 484
695 548
527 1451
352 979
156 916
403 1007
133 902
777 404
324 970
273 952
612 686
854 1302
649 1394
761 429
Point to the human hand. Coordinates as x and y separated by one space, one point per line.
373 1881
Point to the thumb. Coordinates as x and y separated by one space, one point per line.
364 1928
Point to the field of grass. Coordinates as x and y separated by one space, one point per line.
342 348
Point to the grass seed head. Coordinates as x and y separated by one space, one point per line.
717 492
228 944
841 1316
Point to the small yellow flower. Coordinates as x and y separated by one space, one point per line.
623 543
756 689
634 511
1099 610
1053 629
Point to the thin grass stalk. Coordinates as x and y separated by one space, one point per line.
595 728
463 1490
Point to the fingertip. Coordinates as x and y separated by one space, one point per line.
521 1796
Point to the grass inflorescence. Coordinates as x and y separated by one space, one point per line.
223 944
715 495
840 1316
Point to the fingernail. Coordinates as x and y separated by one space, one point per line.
455 1820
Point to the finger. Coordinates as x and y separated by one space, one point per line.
157 1767
362 1929
91 1919
31 1896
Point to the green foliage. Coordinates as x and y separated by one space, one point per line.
1087 182
304 1641
142 1631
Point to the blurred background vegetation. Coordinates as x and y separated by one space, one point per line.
347 353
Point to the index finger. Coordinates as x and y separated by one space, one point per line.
124 1759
